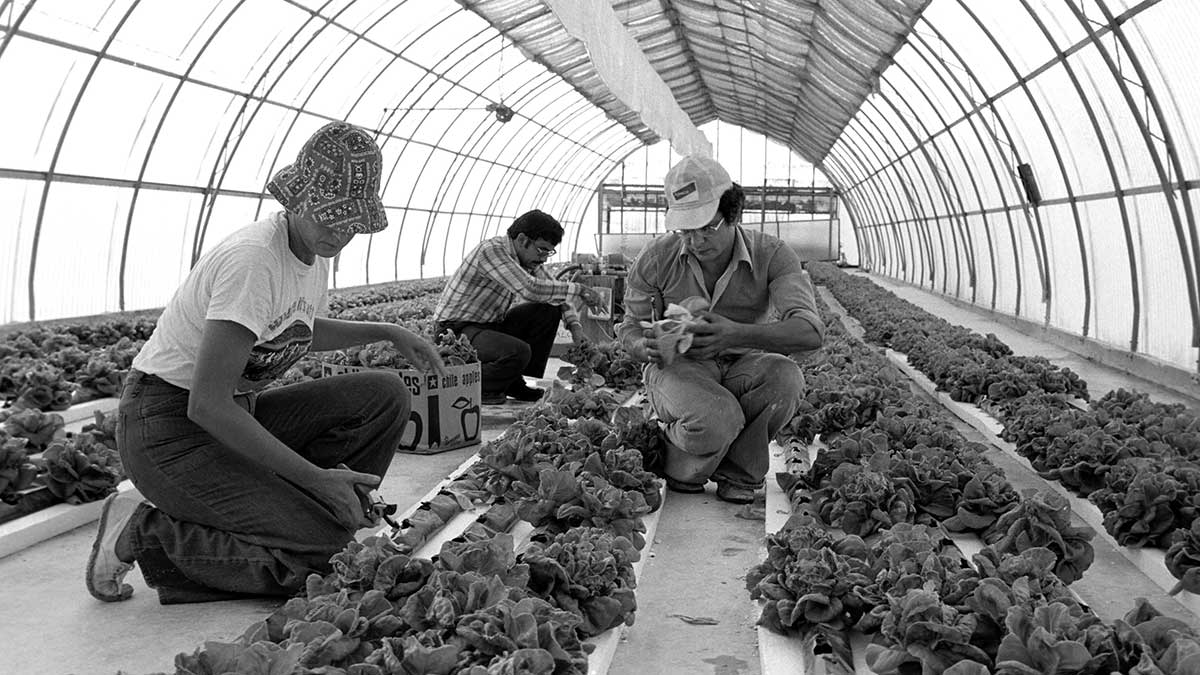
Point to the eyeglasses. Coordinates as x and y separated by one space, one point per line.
705 232
540 248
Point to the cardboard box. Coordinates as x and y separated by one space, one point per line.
445 414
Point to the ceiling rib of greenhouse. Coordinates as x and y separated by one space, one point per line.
796 72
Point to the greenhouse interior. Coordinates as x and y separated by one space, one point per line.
572 337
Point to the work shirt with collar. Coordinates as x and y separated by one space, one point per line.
491 280
763 282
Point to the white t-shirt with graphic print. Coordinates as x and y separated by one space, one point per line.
251 278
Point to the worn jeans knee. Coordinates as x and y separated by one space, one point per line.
389 396
502 357
775 381
701 415
707 428
535 323
531 318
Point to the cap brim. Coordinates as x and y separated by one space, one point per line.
693 217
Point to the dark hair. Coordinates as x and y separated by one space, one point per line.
731 204
537 225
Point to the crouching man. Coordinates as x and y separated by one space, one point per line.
509 307
722 400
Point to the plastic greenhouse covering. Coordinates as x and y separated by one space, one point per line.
1032 157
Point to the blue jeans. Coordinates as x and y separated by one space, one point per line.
721 413
222 526
518 345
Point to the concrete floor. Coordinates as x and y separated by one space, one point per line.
694 613
696 570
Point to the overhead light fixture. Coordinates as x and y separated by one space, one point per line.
503 113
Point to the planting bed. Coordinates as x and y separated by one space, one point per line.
604 644
529 546
828 620
1149 562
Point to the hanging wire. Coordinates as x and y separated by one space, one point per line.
500 75
502 112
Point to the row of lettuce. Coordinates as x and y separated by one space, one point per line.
55 365
868 546
1136 459
573 468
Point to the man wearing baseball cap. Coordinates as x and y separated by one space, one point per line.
722 400
250 489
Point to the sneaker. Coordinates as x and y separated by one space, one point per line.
686 488
734 494
492 398
105 571
524 392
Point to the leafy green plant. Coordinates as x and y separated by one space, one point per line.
1183 558
81 470
587 571
1056 638
36 427
562 500
17 471
809 589
861 499
924 632
1153 506
601 364
1043 519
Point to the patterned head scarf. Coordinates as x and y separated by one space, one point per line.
337 173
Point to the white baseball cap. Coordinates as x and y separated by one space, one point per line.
693 189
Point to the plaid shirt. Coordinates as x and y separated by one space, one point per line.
491 280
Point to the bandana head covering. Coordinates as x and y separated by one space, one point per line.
337 173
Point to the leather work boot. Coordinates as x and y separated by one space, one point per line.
734 494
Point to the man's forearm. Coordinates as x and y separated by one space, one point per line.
781 337
570 317
338 333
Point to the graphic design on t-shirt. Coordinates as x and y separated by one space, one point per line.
299 306
271 359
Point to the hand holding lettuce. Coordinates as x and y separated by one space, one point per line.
667 338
